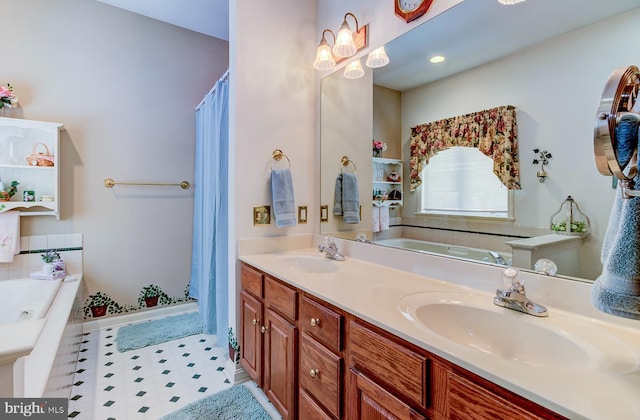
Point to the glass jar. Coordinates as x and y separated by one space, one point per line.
569 220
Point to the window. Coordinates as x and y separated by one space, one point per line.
460 181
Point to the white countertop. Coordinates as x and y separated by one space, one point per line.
608 387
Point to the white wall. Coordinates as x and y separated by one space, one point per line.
555 87
272 101
126 88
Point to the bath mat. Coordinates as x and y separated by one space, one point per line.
158 331
233 403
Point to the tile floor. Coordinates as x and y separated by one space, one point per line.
147 383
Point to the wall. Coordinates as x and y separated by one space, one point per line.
555 87
272 98
126 88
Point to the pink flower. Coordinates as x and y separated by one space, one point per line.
7 97
379 145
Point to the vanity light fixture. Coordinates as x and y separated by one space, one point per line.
354 70
324 56
345 46
510 2
377 58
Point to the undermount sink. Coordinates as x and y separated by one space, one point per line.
309 264
473 321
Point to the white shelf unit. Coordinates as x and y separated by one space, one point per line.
382 167
17 140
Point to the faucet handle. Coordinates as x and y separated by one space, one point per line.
511 280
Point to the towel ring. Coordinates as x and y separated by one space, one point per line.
278 154
346 161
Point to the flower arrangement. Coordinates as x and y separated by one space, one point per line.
7 193
7 97
50 256
379 147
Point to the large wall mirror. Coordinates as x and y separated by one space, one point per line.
550 60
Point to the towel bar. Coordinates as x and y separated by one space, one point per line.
110 183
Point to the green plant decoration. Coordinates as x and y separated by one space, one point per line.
7 193
50 256
152 291
233 344
99 304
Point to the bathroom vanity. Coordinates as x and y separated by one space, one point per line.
341 366
330 340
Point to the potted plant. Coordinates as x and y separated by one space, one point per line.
152 295
7 193
234 347
98 304
50 258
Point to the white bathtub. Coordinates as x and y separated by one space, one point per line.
41 319
25 299
475 254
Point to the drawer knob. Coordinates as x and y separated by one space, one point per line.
314 373
263 329
254 321
315 322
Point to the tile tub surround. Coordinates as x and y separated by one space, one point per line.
31 247
47 347
372 291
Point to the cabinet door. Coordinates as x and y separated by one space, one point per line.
280 363
369 401
251 336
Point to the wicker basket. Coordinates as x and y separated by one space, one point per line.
39 158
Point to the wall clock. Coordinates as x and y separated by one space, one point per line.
411 9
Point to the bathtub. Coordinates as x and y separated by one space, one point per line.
42 319
474 254
24 299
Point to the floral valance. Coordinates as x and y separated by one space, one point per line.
493 131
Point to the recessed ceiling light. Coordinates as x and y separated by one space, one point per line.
437 59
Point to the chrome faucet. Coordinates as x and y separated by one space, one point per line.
330 249
514 296
497 258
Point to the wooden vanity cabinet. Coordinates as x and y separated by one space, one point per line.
269 335
327 364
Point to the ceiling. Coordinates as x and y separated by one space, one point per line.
210 17
475 32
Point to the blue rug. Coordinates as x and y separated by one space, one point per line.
235 403
158 331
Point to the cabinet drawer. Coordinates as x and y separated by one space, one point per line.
467 400
321 374
252 281
281 298
309 410
395 367
322 323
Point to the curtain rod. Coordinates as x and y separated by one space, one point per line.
224 77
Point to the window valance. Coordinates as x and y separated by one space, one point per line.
493 131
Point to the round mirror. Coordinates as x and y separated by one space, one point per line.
616 128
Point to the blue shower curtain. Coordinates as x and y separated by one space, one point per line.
209 263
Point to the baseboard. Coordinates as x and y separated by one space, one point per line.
115 321
235 373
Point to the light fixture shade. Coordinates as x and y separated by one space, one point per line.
354 70
324 58
344 46
377 58
510 2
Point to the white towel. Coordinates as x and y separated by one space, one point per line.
9 235
384 217
375 216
